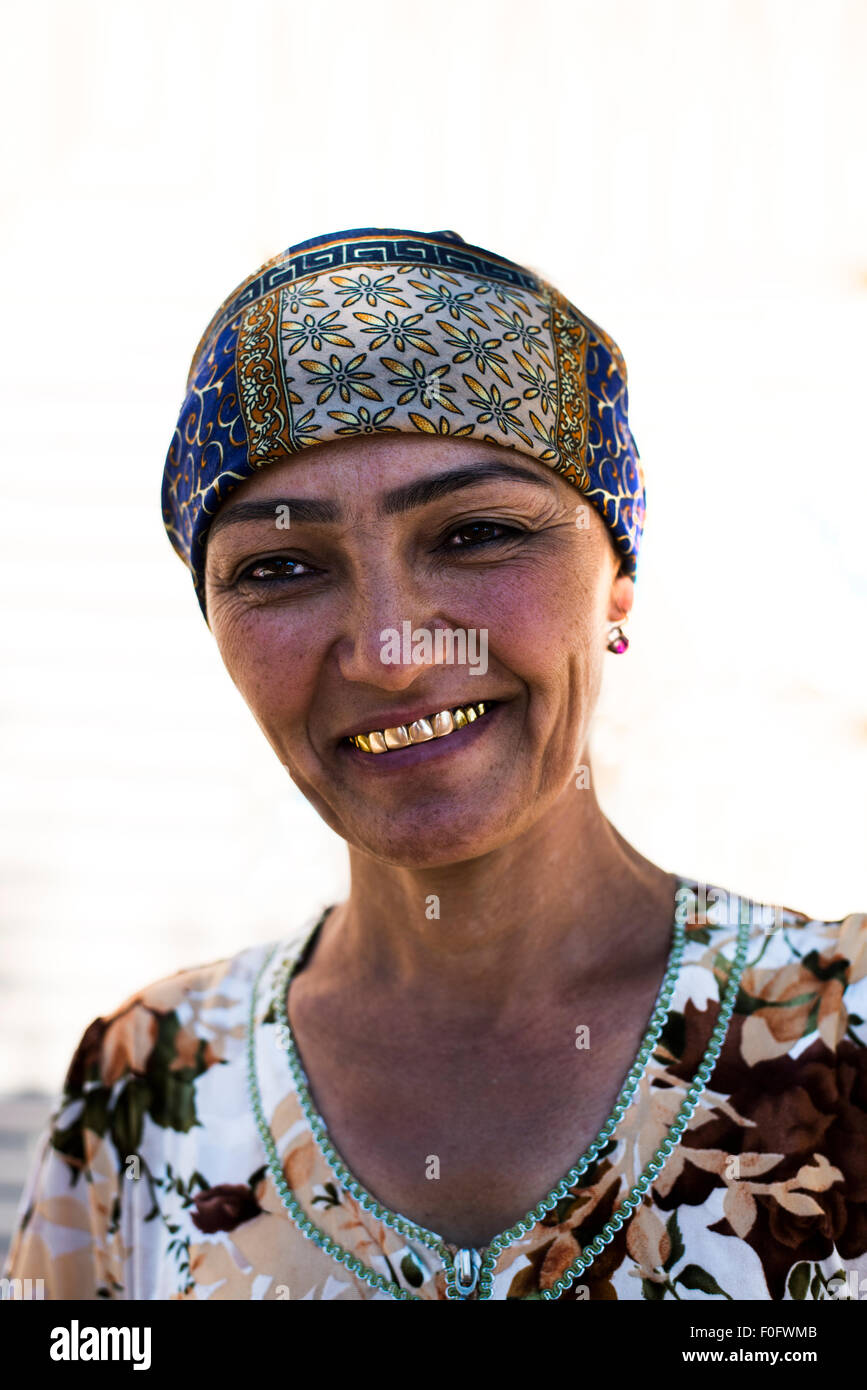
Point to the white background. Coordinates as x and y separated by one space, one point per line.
689 172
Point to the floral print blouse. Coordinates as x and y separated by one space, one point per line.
186 1160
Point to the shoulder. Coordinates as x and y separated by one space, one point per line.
183 1022
807 985
774 1152
804 978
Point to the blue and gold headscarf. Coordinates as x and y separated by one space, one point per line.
379 330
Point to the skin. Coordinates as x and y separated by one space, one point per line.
453 1036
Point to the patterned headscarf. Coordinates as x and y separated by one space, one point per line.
379 330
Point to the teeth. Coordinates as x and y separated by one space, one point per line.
396 738
443 723
421 731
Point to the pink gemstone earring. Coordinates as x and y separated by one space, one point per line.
617 640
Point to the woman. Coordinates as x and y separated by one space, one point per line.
520 1060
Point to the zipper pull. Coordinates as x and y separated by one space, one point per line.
467 1265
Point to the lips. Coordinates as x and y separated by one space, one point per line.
439 724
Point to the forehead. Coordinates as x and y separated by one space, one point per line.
356 483
376 463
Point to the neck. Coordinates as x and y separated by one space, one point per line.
569 904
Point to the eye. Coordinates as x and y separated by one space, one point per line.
474 530
273 569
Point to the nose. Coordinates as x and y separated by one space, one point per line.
385 604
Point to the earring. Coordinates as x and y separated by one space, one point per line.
617 639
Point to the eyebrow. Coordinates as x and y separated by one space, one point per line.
397 500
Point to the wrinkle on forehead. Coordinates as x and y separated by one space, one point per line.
364 467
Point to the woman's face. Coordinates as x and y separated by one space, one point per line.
416 534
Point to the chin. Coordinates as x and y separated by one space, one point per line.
444 837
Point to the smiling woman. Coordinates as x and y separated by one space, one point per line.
440 535
519 1061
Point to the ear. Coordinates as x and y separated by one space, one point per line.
621 598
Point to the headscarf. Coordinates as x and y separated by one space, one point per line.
378 330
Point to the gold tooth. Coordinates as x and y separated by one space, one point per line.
443 723
421 731
437 726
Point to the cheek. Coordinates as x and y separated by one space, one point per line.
271 664
544 621
547 629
